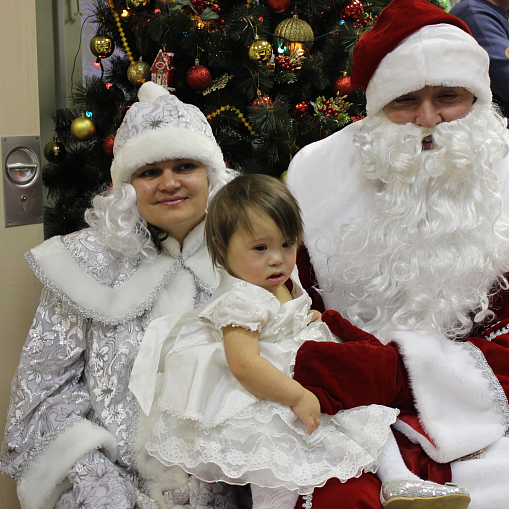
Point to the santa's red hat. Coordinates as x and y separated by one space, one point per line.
413 44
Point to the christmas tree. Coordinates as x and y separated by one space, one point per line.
270 75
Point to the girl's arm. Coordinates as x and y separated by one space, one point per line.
263 379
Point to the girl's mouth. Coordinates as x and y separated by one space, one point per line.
276 278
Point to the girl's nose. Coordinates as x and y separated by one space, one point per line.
276 258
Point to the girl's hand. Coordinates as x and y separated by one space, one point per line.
308 410
315 315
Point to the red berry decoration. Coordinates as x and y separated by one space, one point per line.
262 100
198 77
343 86
301 108
353 10
108 143
277 5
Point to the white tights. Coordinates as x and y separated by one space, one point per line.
391 464
273 498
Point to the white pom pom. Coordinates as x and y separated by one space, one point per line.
150 91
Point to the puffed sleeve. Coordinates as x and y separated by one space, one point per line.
48 404
245 305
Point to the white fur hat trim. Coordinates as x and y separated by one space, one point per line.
161 127
435 55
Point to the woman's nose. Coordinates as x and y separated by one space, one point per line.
169 181
428 115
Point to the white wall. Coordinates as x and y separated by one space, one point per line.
29 92
19 115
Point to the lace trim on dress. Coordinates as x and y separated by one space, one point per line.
115 320
97 261
499 396
243 455
198 416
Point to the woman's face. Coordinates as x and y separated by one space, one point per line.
172 195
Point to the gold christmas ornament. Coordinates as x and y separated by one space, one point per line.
101 46
138 72
54 151
136 5
82 128
260 50
293 34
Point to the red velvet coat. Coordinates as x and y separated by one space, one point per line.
362 371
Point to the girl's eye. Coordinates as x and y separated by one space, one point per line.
287 244
260 248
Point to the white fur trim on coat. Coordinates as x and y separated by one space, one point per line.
57 269
486 476
453 395
45 480
435 55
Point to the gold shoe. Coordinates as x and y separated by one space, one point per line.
409 494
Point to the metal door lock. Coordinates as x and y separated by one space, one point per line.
21 157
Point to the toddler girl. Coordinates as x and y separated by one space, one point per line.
227 407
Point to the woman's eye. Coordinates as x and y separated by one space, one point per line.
186 167
151 172
260 248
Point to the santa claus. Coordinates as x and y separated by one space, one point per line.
408 238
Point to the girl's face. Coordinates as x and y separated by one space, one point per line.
172 195
263 257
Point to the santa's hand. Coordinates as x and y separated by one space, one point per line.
344 330
97 483
308 410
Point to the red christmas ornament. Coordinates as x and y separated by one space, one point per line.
198 77
301 108
108 143
343 86
277 5
262 100
353 10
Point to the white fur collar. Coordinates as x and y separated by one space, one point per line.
192 243
60 272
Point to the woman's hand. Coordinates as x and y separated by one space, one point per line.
308 410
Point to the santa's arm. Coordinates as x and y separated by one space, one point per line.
361 371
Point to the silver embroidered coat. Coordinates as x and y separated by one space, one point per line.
70 393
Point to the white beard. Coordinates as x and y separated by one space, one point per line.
427 252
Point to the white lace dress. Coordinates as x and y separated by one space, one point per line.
215 429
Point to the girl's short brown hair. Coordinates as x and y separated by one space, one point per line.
230 208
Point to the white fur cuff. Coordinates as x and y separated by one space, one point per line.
45 480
